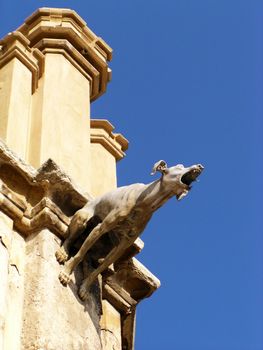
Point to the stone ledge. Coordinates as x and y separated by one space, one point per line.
49 178
101 132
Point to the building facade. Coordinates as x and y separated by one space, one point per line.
54 159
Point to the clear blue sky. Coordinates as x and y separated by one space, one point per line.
187 88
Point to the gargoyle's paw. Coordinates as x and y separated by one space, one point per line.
83 292
61 255
64 278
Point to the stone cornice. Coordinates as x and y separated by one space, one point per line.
27 221
65 17
101 132
90 52
64 47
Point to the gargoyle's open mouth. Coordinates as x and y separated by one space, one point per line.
190 176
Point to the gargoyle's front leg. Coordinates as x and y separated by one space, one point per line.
107 225
69 266
110 259
77 225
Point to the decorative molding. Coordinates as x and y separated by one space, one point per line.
101 132
16 45
64 47
72 35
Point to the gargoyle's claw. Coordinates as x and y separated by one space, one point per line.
61 255
83 292
64 278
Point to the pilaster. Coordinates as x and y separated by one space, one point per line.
106 149
20 70
51 68
76 73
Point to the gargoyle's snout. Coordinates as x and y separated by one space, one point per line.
192 174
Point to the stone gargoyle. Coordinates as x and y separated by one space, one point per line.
125 211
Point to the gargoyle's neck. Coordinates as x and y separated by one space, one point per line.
155 195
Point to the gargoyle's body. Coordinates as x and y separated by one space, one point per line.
125 211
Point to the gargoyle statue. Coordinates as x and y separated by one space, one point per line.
125 211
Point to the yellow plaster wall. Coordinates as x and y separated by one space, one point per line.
15 99
60 127
6 73
103 170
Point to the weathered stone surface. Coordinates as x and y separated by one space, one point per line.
15 297
134 278
110 327
5 231
54 316
12 294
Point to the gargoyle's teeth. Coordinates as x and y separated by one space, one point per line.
190 176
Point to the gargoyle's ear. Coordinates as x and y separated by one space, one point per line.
159 166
